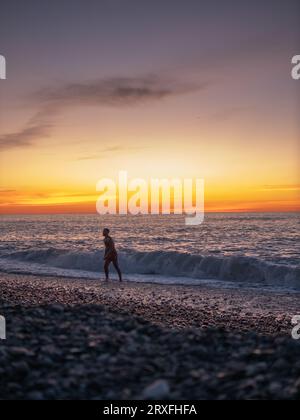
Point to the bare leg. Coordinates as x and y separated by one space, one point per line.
116 265
106 270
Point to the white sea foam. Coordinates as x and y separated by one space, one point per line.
166 265
253 249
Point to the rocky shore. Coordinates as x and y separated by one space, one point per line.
72 339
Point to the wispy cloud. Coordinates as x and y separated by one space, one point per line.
292 187
15 197
110 150
115 92
6 191
27 136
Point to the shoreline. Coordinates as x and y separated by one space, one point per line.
228 308
73 339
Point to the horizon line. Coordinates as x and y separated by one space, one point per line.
39 213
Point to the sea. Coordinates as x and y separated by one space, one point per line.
258 250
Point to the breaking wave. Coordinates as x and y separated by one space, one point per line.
169 264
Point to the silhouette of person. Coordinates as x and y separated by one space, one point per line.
111 255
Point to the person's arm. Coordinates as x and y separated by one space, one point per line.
109 248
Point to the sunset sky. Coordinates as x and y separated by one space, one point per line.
160 88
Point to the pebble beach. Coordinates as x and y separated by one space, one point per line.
77 339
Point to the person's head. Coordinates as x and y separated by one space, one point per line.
105 232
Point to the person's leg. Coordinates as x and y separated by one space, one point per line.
116 265
106 269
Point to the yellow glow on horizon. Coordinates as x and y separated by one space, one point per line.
242 170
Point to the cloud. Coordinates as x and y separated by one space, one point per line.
288 187
6 191
15 197
116 92
113 92
25 137
110 150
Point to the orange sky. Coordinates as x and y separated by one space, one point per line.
194 93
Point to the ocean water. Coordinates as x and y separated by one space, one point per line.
260 249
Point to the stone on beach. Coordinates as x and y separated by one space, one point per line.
158 390
67 339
